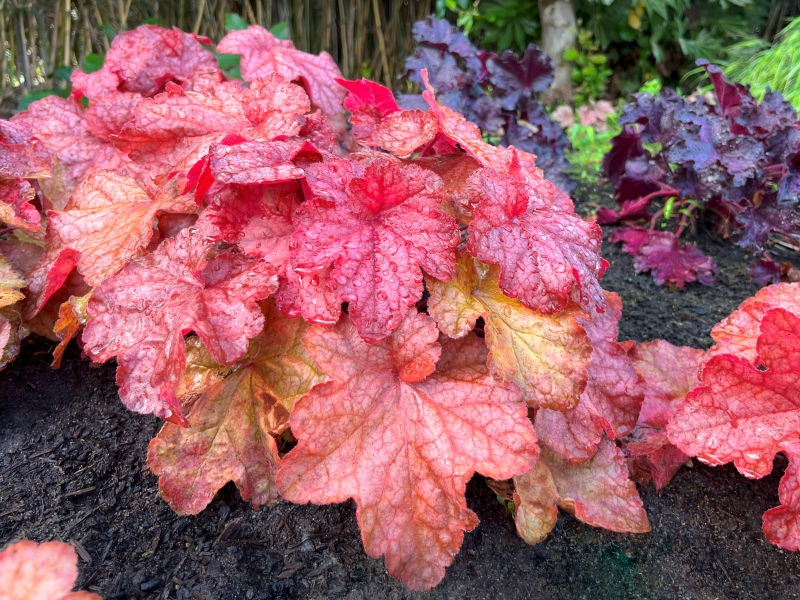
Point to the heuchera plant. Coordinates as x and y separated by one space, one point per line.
736 162
496 92
747 407
255 267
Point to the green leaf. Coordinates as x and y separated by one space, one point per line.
108 30
26 99
571 54
63 73
93 62
280 30
234 22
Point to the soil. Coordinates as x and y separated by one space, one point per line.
72 468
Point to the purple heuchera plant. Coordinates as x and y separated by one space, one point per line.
497 92
740 159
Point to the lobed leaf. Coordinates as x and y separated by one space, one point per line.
543 251
401 444
378 231
140 317
738 333
611 400
144 59
743 414
234 421
597 491
546 356
667 374
263 54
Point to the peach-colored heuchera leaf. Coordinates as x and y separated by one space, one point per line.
47 571
263 54
743 414
668 373
71 317
598 492
612 398
378 231
738 333
403 439
545 355
12 331
140 316
108 220
232 424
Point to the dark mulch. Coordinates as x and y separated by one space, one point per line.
72 468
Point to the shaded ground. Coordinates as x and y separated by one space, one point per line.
72 468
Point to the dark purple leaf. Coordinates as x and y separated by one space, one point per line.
517 79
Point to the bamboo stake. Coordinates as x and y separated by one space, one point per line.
67 33
381 43
33 32
201 8
3 67
249 10
345 58
22 44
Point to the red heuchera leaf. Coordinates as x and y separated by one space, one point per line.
740 413
20 155
258 162
274 105
668 373
108 220
107 114
145 59
543 251
597 491
172 131
402 440
378 122
782 523
658 251
15 207
233 421
141 315
47 571
738 333
59 124
612 398
378 231
258 219
263 54
365 93
746 415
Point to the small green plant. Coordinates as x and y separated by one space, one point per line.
763 66
590 72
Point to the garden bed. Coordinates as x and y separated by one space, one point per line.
72 467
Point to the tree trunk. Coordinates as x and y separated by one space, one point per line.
559 32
